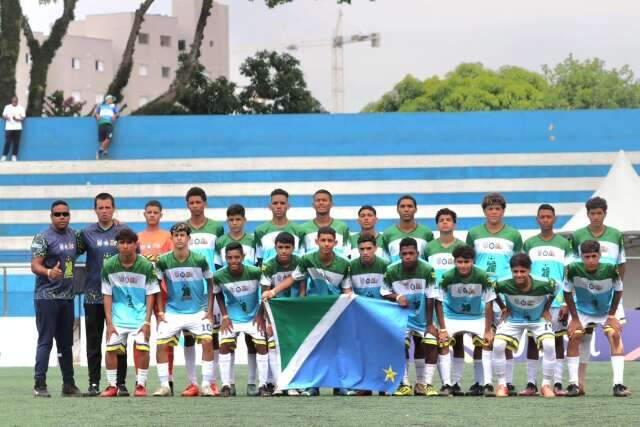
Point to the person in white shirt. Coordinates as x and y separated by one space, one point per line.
14 115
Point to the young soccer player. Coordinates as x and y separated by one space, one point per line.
322 204
366 271
528 301
598 292
236 221
129 286
550 253
266 233
189 308
463 301
367 219
406 227
406 283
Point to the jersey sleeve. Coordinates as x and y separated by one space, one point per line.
622 256
568 280
266 278
152 286
39 246
568 252
219 230
258 243
469 240
517 244
300 273
216 286
429 235
105 282
206 269
346 242
489 288
217 253
551 286
159 269
346 278
81 242
387 285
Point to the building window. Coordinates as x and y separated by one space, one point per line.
210 43
165 41
75 63
143 38
142 101
99 66
165 72
143 70
182 44
27 58
76 96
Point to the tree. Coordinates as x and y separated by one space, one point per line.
205 96
10 17
43 54
276 85
56 105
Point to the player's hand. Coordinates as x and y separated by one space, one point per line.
226 325
575 328
266 296
443 336
269 330
260 324
146 331
504 314
110 331
208 317
402 300
614 323
431 329
160 318
547 316
563 313
55 273
488 337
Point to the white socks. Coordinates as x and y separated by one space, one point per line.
429 371
532 371
405 377
163 374
509 372
232 369
617 363
499 362
421 372
262 360
444 367
143 374
548 361
112 377
558 371
573 366
225 368
216 356
207 373
274 367
457 367
190 364
251 365
487 368
478 370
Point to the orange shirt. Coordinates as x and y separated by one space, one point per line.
154 243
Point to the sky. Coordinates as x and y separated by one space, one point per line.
418 37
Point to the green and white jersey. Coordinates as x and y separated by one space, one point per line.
380 252
413 285
203 240
464 297
241 293
265 238
248 247
548 260
594 291
309 231
273 273
494 250
129 288
526 307
323 279
441 258
393 235
186 282
611 244
366 280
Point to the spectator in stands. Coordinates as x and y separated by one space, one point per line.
106 115
14 115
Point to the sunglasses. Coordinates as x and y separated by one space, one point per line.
59 214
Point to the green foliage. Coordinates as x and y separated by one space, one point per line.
10 18
56 105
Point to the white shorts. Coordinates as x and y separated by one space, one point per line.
169 330
217 316
512 332
118 341
591 322
473 327
248 328
559 327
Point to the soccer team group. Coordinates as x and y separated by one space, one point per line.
211 286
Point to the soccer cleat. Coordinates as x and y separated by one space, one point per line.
430 391
14 158
141 391
99 155
311 391
263 391
502 391
122 391
383 393
3 159
225 391
364 393
558 391
163 391
336 392
476 390
92 391
252 390
171 387
40 389
403 390
271 387
530 390
111 391
620 390
277 392
292 392
216 390
512 389
70 390
488 391
105 155
456 390
419 390
572 391
191 391
547 391
445 390
231 386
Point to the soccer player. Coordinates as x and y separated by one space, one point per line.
129 286
528 301
463 300
53 255
322 204
366 271
406 227
236 221
406 283
367 219
106 114
550 253
240 285
495 243
266 233
189 308
598 292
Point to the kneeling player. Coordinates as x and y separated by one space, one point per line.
528 301
598 291
129 287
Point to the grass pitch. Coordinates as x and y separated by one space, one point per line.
599 407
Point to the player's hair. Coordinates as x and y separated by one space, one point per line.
520 260
196 191
546 207
126 235
279 192
58 203
323 191
285 238
235 209
493 199
447 211
180 227
589 247
326 230
103 196
367 237
367 208
155 203
408 241
234 246
596 203
465 252
406 197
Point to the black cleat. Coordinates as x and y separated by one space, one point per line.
226 391
122 391
171 387
92 391
456 390
512 389
445 390
573 390
40 389
263 391
488 391
620 390
70 390
475 390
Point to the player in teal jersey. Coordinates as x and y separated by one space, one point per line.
366 272
266 233
463 300
322 204
406 282
240 285
236 221
598 292
129 287
550 253
367 219
495 243
406 227
528 300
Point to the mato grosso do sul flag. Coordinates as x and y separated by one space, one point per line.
344 341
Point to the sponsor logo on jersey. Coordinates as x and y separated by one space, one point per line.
546 252
125 278
66 246
492 245
182 274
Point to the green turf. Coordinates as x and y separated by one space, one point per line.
597 408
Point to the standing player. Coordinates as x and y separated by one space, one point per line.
322 204
367 219
406 227
266 233
406 282
550 253
129 286
366 272
106 114
236 221
528 301
598 292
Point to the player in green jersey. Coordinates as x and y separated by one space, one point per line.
366 272
266 232
236 221
367 219
322 204
406 227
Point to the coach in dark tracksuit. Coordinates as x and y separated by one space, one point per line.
54 252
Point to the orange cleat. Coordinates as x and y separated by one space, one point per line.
502 391
192 391
141 391
110 391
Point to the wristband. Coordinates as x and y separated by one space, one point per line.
225 317
273 293
48 272
443 330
